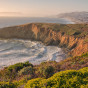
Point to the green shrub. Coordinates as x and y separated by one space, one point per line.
18 66
26 71
10 73
22 81
34 83
84 86
85 55
7 85
81 62
47 71
63 79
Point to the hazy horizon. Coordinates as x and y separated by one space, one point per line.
40 8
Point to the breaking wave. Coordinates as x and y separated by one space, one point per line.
14 51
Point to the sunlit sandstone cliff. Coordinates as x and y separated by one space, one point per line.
73 37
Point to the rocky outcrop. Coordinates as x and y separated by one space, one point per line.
76 46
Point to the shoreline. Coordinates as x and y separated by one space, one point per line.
68 19
37 42
47 34
74 21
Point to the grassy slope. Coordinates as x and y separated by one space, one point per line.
72 78
77 30
63 79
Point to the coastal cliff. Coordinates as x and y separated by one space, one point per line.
73 37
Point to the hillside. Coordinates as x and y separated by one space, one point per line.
71 37
64 79
69 73
25 75
78 17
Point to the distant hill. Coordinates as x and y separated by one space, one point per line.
78 17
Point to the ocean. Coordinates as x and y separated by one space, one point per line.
12 21
14 50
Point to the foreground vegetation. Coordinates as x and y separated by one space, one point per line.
63 79
69 73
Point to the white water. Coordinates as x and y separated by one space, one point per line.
14 51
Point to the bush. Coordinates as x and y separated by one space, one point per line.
84 86
63 79
20 83
34 83
7 85
47 71
9 73
26 71
18 66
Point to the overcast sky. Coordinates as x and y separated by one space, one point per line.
37 8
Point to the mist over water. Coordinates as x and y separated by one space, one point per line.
14 51
12 21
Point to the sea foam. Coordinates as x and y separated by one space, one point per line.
14 51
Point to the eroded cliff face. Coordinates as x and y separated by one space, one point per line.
76 46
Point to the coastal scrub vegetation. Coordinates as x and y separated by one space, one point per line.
77 30
63 79
69 73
